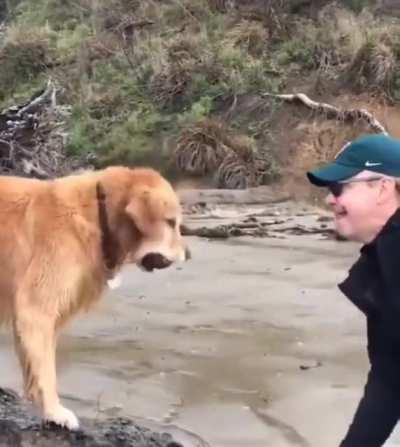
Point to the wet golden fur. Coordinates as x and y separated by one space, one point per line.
52 261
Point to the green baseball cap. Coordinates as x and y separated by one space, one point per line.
379 153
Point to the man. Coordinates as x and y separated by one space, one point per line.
363 185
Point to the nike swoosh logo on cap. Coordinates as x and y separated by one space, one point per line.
368 164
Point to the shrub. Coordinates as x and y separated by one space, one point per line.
23 56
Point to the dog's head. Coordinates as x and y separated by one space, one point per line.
154 212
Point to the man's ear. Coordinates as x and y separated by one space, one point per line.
387 190
138 209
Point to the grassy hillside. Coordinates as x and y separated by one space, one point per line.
146 78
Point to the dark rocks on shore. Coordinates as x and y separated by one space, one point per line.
19 429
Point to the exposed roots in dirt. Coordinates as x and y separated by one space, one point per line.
32 138
209 147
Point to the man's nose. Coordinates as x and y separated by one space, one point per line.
330 199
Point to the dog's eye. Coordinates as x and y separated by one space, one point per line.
171 223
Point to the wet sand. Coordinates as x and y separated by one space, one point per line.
249 344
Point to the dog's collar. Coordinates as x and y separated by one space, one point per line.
109 245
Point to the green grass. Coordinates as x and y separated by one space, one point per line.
357 5
129 97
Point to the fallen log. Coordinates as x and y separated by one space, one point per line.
252 196
218 232
226 231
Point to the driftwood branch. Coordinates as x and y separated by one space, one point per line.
332 112
39 100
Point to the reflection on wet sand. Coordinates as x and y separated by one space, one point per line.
249 344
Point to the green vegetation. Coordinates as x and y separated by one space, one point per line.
137 74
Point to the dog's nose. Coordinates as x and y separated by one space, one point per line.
188 254
155 261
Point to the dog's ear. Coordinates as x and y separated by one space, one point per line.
140 211
147 207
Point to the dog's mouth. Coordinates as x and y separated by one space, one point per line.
153 261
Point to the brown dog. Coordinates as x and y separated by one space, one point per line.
60 242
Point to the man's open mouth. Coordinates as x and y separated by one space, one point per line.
340 213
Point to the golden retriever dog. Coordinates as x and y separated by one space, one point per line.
61 241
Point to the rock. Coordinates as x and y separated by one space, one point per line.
316 364
19 429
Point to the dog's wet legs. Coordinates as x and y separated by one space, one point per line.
35 341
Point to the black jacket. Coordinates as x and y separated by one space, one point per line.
373 285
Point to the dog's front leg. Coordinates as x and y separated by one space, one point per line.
35 340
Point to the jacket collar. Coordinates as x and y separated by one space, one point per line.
376 267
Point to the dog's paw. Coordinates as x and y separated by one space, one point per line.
63 417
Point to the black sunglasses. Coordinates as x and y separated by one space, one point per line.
336 188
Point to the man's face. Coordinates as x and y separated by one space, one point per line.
355 205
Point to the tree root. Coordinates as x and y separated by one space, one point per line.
332 112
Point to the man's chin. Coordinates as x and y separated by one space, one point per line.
342 235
